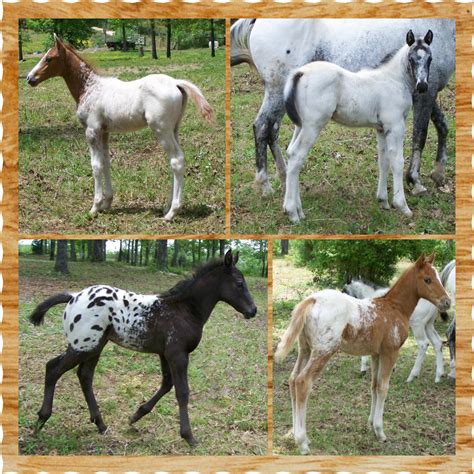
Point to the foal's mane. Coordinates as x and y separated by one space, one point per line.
78 56
182 288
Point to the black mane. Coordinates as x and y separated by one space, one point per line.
386 59
182 287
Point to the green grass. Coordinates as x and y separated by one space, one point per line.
55 177
419 418
339 179
227 376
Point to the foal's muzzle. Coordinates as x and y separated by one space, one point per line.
421 87
250 313
444 304
31 80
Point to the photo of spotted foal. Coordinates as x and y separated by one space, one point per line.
168 324
107 105
330 321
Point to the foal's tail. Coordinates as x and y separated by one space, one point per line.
298 320
239 42
290 98
188 88
37 316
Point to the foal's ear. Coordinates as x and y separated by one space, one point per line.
228 258
236 258
430 258
421 260
410 38
428 37
57 41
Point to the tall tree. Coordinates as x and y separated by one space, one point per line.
285 245
97 253
72 255
174 259
161 254
221 248
21 26
61 257
168 38
213 48
154 54
124 37
52 249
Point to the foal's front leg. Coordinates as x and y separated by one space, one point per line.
179 373
384 164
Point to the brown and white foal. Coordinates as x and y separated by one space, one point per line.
108 105
329 321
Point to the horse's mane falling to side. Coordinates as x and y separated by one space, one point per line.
180 290
72 50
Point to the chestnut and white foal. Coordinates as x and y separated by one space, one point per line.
108 105
329 321
378 98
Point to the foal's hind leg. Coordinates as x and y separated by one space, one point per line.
441 125
108 193
166 385
55 368
95 139
384 166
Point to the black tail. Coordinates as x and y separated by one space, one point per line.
290 101
37 316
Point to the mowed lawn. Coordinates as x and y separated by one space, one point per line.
227 376
419 418
339 179
56 186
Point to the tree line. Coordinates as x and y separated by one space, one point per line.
161 255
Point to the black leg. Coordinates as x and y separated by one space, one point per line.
166 385
179 373
55 368
85 372
441 125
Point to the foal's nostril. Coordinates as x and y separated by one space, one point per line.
422 87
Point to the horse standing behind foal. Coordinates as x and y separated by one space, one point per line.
170 325
377 98
329 321
106 105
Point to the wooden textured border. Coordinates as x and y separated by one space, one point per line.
461 11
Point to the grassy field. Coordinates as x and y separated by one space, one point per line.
227 376
56 185
339 179
419 417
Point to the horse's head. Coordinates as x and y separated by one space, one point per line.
419 59
234 290
428 283
50 65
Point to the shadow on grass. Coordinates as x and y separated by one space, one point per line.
191 212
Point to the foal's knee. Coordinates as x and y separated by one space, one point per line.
177 165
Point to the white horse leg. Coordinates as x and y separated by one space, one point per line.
95 140
375 371
418 328
303 356
435 340
172 149
108 193
395 151
386 363
303 384
364 364
384 164
297 153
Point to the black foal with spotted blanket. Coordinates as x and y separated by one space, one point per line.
169 325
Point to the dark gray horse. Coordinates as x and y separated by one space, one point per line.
275 47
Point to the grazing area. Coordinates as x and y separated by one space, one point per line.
55 177
338 182
227 374
419 417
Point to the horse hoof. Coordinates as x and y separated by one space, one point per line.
192 442
103 429
383 203
437 177
288 434
418 190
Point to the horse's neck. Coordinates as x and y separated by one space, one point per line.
78 76
403 294
202 298
397 69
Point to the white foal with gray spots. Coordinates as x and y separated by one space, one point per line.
329 321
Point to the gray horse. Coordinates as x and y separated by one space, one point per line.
277 46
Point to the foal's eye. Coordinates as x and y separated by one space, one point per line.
240 284
48 59
427 280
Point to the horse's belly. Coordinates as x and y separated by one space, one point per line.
357 348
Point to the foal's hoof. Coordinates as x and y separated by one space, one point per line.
102 429
383 203
191 441
39 425
418 190
437 177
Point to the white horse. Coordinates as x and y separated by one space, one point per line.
421 322
377 98
107 105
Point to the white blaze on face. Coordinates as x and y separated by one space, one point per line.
32 73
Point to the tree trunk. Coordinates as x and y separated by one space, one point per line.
193 251
168 38
214 248
221 248
199 250
97 254
61 257
104 30
154 54
174 260
263 257
72 256
20 39
124 38
213 49
285 245
147 252
161 254
120 252
51 249
83 250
